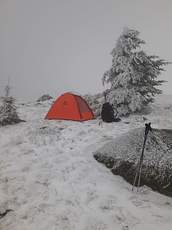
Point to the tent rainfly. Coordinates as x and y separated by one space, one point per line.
70 107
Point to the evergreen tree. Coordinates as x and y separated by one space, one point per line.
8 112
133 74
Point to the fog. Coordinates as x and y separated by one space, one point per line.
54 46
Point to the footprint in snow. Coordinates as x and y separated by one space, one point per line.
125 218
140 203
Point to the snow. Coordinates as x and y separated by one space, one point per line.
122 159
50 180
133 75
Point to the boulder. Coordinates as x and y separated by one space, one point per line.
121 156
44 97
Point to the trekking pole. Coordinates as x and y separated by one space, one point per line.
137 177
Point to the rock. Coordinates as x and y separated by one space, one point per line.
44 97
122 155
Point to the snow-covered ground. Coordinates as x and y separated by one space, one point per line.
51 181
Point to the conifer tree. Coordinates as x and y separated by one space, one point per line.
8 112
133 76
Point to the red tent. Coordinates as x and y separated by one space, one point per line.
70 107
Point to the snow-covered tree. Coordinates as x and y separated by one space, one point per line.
95 102
8 112
133 74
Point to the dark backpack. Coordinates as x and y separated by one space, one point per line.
107 113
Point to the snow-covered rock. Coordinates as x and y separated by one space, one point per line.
122 155
44 97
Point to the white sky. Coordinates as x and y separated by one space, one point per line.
53 46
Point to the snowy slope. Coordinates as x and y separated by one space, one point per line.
48 176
